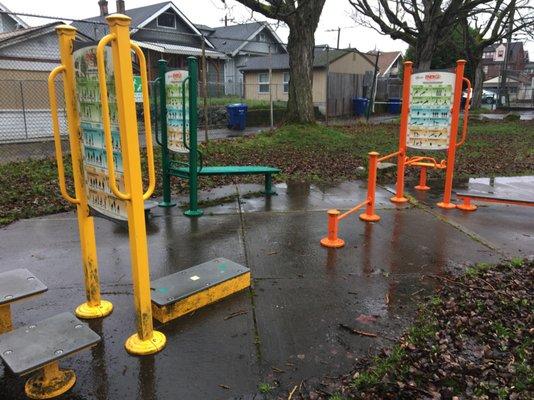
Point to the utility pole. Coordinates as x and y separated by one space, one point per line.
204 88
270 88
327 86
338 36
371 100
502 86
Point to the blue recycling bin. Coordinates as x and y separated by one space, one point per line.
236 115
359 105
394 105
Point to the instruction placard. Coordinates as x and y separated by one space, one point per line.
177 110
138 89
99 195
431 99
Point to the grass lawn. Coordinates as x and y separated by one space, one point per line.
314 153
252 104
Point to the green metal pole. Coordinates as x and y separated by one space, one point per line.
165 164
193 145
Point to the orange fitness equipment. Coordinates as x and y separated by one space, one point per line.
468 197
437 120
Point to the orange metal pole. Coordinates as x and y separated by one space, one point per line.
451 154
332 240
422 180
406 82
369 214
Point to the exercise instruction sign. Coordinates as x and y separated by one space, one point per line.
431 99
177 94
99 194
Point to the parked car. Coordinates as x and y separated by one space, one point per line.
488 97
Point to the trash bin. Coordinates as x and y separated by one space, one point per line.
236 115
394 105
359 105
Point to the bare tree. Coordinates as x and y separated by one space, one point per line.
302 17
420 23
492 22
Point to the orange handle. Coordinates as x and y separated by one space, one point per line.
466 112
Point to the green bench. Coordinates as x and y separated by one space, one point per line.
183 172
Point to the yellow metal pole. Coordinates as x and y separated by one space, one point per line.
146 340
95 307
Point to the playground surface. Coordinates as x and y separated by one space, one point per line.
289 326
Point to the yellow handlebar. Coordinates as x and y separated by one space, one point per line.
57 139
148 127
106 124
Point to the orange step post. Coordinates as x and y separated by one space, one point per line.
332 240
401 161
369 214
466 205
422 180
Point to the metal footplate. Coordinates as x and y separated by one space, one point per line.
16 285
40 347
188 290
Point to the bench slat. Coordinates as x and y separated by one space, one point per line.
231 170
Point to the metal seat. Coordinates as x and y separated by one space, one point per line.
40 347
16 285
188 290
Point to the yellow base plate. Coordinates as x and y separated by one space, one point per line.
134 345
37 388
198 300
86 311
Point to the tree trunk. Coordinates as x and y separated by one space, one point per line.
300 48
426 44
476 100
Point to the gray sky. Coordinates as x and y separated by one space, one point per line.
211 12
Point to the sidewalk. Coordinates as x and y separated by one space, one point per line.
287 327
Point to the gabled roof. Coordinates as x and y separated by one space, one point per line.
232 38
385 60
96 27
20 35
13 16
321 59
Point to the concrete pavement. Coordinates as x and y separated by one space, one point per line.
288 327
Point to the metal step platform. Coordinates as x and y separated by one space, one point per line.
16 285
40 346
185 291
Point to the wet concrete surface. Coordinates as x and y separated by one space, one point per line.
289 323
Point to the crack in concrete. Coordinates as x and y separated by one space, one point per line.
242 230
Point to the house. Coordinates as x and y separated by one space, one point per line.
27 55
239 43
10 22
389 63
163 32
338 76
494 55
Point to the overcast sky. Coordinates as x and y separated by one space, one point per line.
336 14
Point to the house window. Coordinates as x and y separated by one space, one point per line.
167 20
500 53
486 69
286 82
263 80
262 37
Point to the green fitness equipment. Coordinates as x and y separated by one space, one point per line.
192 169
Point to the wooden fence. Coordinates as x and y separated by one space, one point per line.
342 88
